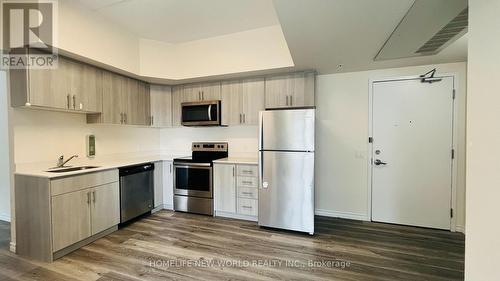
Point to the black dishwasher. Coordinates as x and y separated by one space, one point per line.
136 191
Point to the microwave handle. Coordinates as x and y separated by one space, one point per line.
210 113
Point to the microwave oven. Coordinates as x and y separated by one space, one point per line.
201 113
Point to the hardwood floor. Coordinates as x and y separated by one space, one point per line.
178 246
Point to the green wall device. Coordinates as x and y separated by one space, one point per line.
91 146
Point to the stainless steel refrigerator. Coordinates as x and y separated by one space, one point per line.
286 169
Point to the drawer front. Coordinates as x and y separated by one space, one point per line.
248 192
74 183
247 170
247 206
247 182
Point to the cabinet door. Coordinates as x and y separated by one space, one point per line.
303 89
129 100
90 95
50 87
158 184
177 97
278 91
231 93
225 188
191 93
112 87
161 106
252 101
142 111
168 185
211 91
70 218
105 211
74 72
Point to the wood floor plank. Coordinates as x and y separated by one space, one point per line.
180 246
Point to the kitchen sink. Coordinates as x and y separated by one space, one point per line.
72 169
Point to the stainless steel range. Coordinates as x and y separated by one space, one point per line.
193 181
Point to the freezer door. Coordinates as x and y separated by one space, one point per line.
286 190
291 129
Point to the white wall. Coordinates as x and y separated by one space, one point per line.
243 140
42 136
4 151
258 49
342 139
482 240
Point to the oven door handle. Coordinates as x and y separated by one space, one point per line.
210 113
189 166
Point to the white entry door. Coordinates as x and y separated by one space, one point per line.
412 152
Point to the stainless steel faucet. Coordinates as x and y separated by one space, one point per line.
61 162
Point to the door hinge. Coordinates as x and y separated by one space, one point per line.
454 93
370 140
451 213
453 154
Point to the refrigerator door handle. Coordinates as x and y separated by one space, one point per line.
261 169
261 129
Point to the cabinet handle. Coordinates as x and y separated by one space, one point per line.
246 193
170 168
233 171
291 100
240 118
67 101
74 102
286 100
121 117
88 198
203 95
247 182
247 207
244 118
125 118
247 171
199 95
93 196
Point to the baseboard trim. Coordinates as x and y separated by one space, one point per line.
343 215
168 206
12 247
4 217
460 228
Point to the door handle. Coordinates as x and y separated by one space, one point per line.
67 101
88 198
291 100
93 196
286 100
240 118
74 102
378 162
244 118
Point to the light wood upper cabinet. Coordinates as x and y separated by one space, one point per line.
72 86
202 92
105 207
161 106
177 100
225 188
70 219
242 101
290 90
124 101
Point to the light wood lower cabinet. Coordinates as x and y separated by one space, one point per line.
235 195
158 184
105 207
70 219
168 185
55 217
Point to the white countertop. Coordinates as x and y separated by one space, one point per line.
40 170
238 160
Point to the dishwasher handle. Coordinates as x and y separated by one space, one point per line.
130 170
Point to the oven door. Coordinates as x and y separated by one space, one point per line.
205 113
193 180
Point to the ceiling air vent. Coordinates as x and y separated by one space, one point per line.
441 21
452 29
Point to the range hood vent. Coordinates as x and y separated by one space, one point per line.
428 27
452 29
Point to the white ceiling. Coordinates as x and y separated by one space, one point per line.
322 34
176 21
